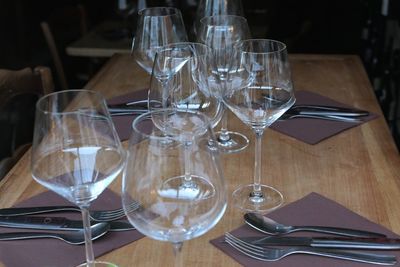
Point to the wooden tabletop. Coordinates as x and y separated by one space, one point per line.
359 168
105 40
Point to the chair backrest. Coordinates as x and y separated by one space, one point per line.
19 91
48 35
69 22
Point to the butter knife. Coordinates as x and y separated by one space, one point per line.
327 242
56 223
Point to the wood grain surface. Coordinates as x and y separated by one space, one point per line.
358 168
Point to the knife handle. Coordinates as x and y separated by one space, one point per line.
354 256
367 243
36 210
338 231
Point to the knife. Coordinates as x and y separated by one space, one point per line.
56 223
327 111
327 242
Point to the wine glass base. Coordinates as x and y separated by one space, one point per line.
99 264
266 200
236 142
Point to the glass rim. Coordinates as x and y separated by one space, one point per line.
170 47
282 46
176 11
222 17
148 116
39 103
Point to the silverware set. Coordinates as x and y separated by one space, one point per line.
71 231
275 245
320 112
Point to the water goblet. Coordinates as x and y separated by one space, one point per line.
208 8
264 92
160 174
76 151
182 79
157 26
221 33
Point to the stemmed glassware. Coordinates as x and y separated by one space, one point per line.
259 92
160 173
221 33
76 151
181 79
157 26
208 8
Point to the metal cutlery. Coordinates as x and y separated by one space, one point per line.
57 223
97 215
269 226
325 113
72 237
379 243
274 254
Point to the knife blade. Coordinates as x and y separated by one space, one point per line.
327 242
56 223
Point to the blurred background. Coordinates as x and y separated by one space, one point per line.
368 28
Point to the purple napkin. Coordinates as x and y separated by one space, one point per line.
313 131
123 124
57 253
313 209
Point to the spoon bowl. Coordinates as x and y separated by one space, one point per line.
269 226
72 237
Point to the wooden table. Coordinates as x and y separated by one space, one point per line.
359 168
102 41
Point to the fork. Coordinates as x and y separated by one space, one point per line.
274 254
96 215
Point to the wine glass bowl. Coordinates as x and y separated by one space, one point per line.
157 26
261 92
182 79
172 209
222 33
76 152
208 8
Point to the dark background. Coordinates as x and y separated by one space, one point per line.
307 26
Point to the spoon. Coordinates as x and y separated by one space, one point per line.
269 226
72 237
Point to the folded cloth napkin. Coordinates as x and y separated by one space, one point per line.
313 209
313 131
57 253
123 124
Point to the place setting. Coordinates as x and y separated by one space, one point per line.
162 142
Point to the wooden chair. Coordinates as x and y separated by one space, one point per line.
19 91
71 19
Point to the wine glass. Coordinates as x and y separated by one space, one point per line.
159 175
260 93
157 26
182 79
221 33
208 8
76 151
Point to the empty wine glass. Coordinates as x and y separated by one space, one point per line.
182 79
157 26
221 33
260 92
76 151
208 8
158 172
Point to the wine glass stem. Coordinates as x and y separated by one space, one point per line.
224 135
88 236
177 246
257 164
188 171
